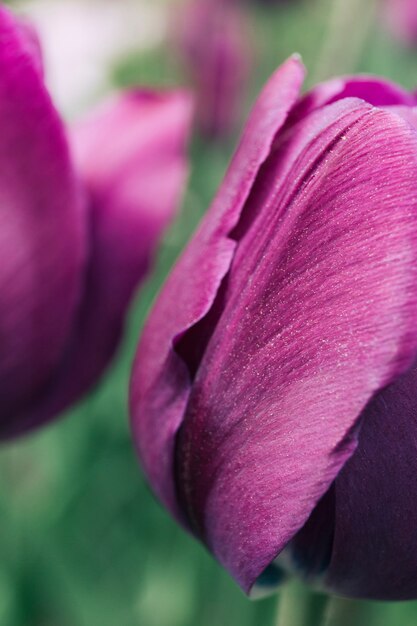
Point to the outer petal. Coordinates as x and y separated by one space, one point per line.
376 91
374 551
161 382
318 314
42 228
131 155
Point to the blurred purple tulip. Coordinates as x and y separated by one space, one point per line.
271 2
213 41
77 234
401 19
273 404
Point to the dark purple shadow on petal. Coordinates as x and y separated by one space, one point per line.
375 545
311 548
190 346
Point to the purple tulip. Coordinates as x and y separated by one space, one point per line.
401 19
272 397
213 42
272 2
77 234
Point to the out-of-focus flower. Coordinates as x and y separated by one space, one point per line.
401 19
273 404
77 234
212 38
271 2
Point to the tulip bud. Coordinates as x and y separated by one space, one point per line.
77 232
273 395
213 42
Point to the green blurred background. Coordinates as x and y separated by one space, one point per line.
82 540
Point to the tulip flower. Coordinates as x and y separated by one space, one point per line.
213 43
401 19
77 232
271 2
273 392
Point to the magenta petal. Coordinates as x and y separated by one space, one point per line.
131 155
42 227
160 382
319 314
409 114
374 552
31 42
376 91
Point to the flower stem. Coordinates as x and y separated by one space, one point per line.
349 24
344 612
299 606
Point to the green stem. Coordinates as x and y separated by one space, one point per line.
344 612
349 24
299 606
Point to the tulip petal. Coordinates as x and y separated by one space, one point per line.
30 40
161 382
409 114
131 156
374 551
42 227
318 314
376 91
